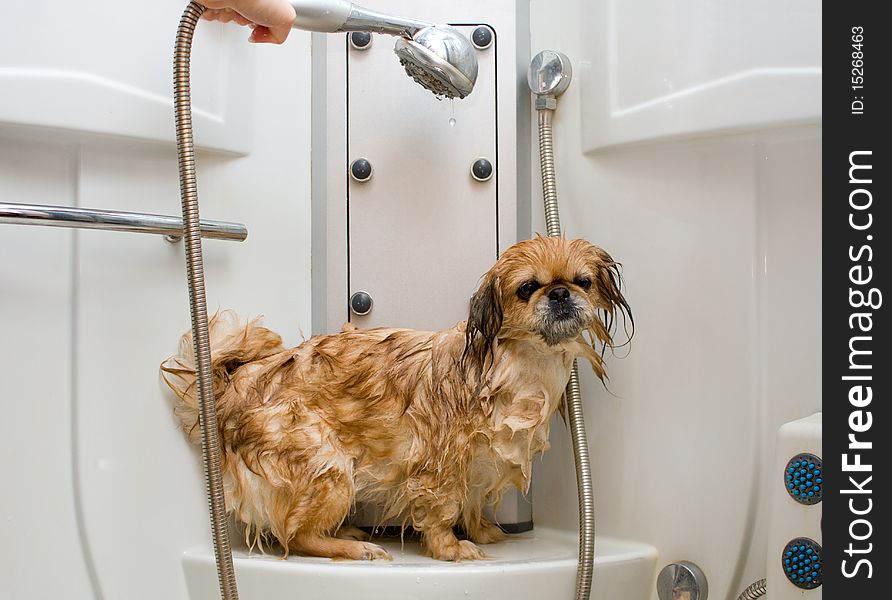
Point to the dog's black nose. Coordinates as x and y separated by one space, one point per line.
559 294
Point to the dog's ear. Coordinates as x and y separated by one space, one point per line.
484 323
608 283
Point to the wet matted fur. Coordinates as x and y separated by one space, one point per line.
430 425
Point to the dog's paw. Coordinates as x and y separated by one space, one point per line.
487 533
460 550
373 552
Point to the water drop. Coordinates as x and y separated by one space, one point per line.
452 121
452 112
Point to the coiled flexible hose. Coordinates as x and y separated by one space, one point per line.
546 163
207 412
585 491
755 590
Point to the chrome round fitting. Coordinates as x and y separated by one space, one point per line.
361 303
481 170
482 37
682 579
549 74
361 170
360 40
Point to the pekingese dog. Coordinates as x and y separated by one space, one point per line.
431 426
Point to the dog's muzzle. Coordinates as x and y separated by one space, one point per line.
561 316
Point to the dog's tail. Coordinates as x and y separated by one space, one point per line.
232 345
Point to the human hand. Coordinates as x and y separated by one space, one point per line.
270 19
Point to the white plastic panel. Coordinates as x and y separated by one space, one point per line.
108 72
130 303
422 230
710 268
651 70
38 515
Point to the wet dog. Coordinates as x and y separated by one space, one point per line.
431 426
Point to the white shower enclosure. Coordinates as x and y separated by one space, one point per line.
688 145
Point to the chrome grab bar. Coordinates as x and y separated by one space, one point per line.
114 220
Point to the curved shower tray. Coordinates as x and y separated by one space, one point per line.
537 564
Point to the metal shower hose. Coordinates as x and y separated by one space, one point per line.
207 413
755 590
585 489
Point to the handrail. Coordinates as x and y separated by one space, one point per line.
114 220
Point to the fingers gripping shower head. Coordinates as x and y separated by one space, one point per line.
436 56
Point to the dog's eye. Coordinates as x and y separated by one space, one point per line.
584 282
527 289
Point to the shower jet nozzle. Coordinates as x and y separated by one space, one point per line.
438 57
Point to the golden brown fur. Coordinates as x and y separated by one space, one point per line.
430 425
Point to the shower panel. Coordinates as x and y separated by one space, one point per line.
420 207
415 196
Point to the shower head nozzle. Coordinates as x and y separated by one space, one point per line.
436 56
441 59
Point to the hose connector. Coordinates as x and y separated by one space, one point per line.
549 76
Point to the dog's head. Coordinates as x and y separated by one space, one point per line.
548 289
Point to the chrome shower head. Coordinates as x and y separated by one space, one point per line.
440 59
436 56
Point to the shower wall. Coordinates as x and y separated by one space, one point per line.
670 156
101 492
